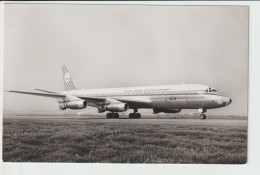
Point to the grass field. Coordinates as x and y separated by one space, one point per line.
26 140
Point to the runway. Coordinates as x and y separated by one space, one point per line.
145 120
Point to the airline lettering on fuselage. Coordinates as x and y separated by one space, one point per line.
147 90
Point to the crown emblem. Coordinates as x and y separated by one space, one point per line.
67 77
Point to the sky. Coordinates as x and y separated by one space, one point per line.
109 46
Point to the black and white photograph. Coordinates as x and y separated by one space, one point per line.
128 84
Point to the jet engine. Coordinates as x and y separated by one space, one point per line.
75 104
156 111
118 107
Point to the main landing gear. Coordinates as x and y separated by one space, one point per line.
112 115
131 115
135 114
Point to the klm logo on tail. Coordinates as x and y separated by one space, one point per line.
67 77
69 84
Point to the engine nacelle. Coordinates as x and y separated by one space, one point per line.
118 107
75 104
156 111
102 108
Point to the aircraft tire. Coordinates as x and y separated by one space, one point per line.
112 115
203 116
116 115
134 115
108 115
137 115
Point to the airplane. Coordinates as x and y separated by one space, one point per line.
161 99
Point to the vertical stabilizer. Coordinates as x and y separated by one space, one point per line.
69 84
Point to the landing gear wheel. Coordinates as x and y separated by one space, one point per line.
112 115
134 115
203 116
116 115
109 115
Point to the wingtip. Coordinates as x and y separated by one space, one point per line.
7 90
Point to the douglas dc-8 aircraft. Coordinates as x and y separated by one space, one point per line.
166 99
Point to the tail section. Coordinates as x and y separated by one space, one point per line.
69 83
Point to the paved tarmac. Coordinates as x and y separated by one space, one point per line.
145 120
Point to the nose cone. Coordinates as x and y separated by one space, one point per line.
226 100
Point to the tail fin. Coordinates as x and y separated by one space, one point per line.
69 84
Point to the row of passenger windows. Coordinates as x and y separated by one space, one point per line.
140 94
123 94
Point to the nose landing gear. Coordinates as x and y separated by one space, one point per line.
202 115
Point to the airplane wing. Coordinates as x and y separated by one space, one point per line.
46 91
135 102
130 102
53 95
93 100
56 95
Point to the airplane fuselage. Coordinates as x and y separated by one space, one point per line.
184 96
167 98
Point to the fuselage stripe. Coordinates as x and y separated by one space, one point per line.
117 95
